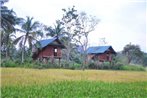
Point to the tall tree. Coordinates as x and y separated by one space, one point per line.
69 22
132 52
31 32
84 25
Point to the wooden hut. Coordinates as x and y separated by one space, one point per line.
101 53
48 49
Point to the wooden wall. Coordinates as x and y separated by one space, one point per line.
49 52
101 57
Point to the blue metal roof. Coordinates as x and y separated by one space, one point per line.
45 42
97 49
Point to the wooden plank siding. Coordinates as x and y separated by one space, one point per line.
49 52
101 57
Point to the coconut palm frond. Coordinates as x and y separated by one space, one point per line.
18 39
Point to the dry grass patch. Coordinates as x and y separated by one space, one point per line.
22 76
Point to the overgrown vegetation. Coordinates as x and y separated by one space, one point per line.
118 66
71 65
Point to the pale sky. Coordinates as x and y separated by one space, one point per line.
121 21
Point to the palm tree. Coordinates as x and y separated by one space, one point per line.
31 32
8 20
57 31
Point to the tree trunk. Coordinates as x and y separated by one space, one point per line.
68 50
23 49
85 61
129 60
68 55
22 56
7 53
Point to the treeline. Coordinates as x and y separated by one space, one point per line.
73 29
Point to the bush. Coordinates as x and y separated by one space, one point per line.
9 63
75 66
28 65
117 66
100 65
70 65
92 65
65 64
77 60
133 67
105 65
41 65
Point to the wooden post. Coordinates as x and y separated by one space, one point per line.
52 58
46 60
59 62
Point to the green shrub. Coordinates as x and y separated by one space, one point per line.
77 60
96 65
41 65
105 65
64 64
117 66
77 66
92 65
74 66
28 65
70 65
53 65
133 68
8 63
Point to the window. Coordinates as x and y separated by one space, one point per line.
55 51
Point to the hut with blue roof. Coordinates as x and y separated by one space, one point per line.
48 49
101 53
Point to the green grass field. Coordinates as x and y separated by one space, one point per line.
63 83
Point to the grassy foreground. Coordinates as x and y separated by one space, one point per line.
55 83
